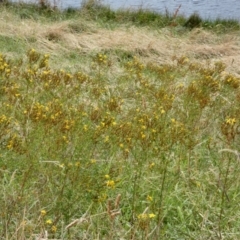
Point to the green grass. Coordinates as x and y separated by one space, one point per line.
12 45
104 14
100 145
221 25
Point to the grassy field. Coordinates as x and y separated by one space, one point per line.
118 125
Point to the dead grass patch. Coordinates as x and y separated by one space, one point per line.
150 45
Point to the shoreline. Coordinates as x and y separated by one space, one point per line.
57 5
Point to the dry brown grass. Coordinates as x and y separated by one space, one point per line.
150 45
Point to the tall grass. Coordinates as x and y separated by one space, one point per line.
105 146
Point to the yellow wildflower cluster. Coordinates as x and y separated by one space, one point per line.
48 222
109 183
74 127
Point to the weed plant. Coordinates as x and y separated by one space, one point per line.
150 153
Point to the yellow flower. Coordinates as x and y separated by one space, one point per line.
102 197
149 198
107 176
186 60
106 139
180 85
126 150
10 144
230 121
43 213
143 216
64 138
54 228
110 183
85 127
77 164
151 215
162 111
61 165
49 222
143 135
151 165
93 161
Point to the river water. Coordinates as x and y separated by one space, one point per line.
207 9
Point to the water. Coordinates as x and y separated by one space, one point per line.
207 9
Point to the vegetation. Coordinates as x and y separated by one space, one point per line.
93 10
113 147
193 21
